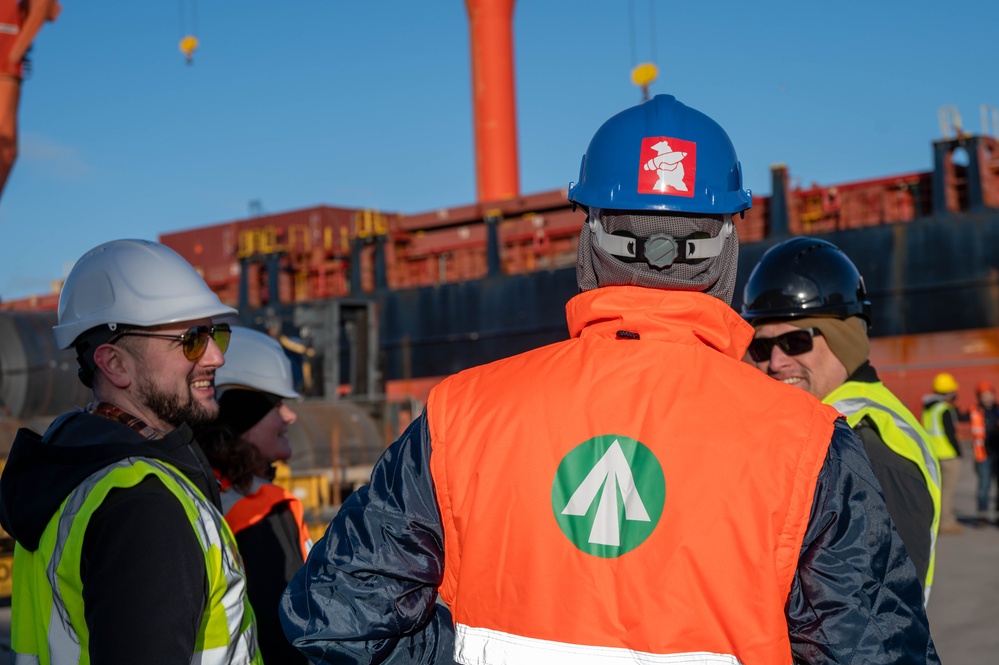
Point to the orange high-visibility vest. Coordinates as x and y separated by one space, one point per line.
245 511
978 434
636 488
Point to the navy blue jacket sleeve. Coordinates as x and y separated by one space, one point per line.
855 597
368 591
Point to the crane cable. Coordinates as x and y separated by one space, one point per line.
643 73
188 32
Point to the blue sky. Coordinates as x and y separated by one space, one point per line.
296 103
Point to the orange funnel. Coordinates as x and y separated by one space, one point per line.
491 25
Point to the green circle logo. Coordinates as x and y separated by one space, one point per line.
608 495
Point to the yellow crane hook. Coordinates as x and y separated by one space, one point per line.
188 44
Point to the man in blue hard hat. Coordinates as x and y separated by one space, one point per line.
634 494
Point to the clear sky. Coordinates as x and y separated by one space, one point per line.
367 103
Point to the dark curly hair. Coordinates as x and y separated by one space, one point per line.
234 458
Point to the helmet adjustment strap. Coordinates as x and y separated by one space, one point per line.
660 249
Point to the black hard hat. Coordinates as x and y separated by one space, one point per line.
805 277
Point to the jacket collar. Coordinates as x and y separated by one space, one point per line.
686 317
864 374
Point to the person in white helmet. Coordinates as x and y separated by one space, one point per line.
250 435
122 554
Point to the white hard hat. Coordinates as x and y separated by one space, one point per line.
132 282
256 360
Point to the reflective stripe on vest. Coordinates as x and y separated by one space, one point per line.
933 422
244 510
903 434
48 625
480 645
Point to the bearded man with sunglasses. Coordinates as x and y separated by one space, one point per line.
122 555
808 304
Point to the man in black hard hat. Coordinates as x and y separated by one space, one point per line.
809 307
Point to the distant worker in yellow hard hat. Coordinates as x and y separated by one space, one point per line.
940 417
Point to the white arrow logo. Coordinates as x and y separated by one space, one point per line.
611 471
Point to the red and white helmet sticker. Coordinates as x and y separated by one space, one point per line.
668 166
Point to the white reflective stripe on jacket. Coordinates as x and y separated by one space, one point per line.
855 405
472 644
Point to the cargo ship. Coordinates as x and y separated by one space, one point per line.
440 291
371 303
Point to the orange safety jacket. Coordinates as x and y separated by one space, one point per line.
243 511
636 488
978 433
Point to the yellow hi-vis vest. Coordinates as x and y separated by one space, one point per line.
902 433
47 620
933 422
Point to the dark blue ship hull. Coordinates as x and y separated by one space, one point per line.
926 276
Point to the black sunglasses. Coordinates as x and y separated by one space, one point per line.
792 343
194 342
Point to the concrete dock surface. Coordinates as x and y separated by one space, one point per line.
964 603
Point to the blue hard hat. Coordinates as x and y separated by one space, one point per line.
661 156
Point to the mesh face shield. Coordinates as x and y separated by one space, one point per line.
714 275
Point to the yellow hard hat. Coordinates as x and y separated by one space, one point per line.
944 383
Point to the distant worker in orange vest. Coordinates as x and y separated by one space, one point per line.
251 434
985 442
20 22
808 303
634 494
940 418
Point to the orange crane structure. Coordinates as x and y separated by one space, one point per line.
20 21
493 99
